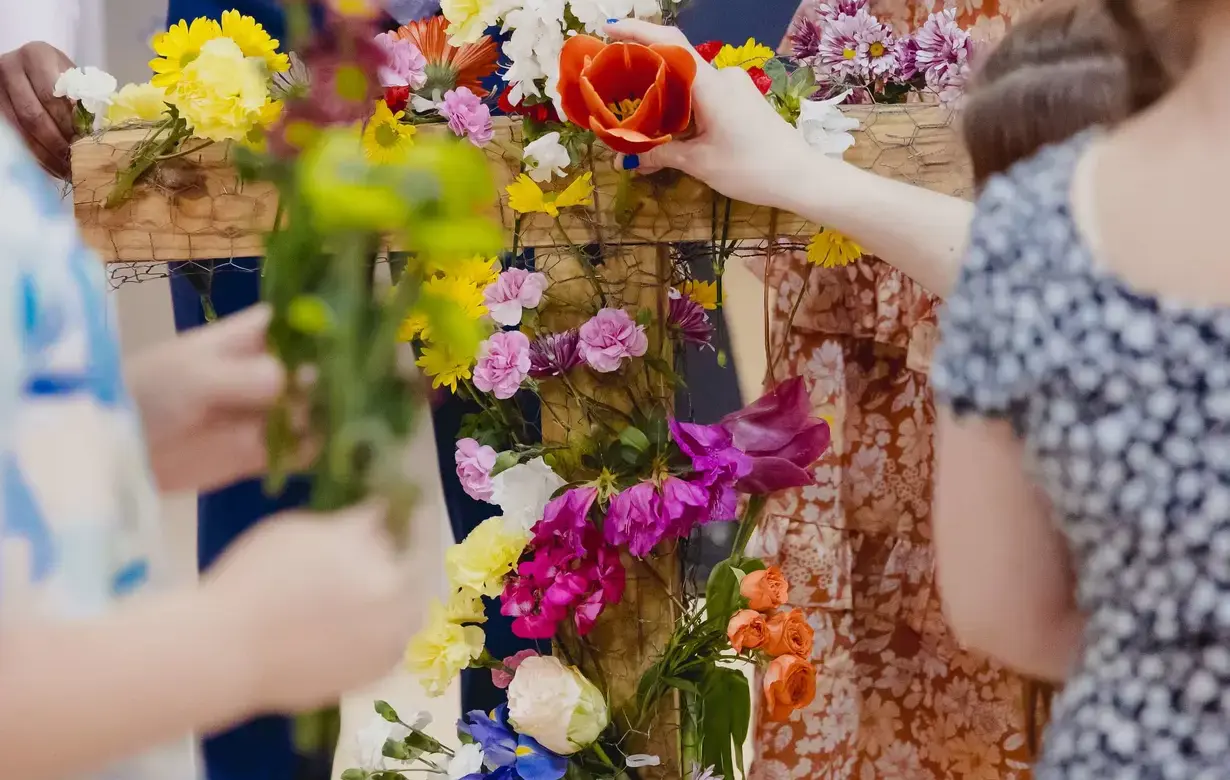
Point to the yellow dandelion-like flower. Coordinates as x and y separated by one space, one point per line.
462 293
704 294
413 327
526 197
178 46
386 139
749 55
445 368
479 271
254 40
830 249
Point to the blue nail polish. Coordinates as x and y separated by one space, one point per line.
612 21
631 162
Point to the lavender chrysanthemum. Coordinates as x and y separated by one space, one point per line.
687 318
943 52
907 58
805 40
838 8
554 355
845 46
708 773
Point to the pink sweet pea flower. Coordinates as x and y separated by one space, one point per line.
503 364
515 291
644 515
610 337
501 678
474 465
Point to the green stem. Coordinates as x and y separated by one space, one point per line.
689 738
144 157
747 525
591 273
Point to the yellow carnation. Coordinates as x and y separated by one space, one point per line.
137 103
465 606
467 20
221 93
439 652
485 557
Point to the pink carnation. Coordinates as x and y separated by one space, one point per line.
515 291
502 678
405 65
503 364
474 464
610 337
467 116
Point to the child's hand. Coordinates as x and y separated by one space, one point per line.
204 398
320 604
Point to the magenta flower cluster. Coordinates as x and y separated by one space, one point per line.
844 43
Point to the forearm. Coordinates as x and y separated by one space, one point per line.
153 671
918 231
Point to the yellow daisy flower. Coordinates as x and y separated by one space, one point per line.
444 368
704 294
258 136
525 196
749 55
178 46
413 327
460 292
386 139
254 41
830 249
479 271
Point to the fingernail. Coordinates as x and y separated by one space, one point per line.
612 21
631 162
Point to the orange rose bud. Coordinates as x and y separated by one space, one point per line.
747 630
789 634
789 685
765 589
634 97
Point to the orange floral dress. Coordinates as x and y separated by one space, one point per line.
897 697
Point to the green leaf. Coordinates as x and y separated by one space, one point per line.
722 593
355 774
644 316
725 720
417 740
395 748
386 711
503 462
635 438
682 685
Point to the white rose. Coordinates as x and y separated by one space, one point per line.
523 491
546 157
91 87
556 705
468 760
824 127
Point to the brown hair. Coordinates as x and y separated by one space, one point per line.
1061 69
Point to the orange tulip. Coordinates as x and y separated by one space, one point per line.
765 589
789 685
633 97
747 630
790 634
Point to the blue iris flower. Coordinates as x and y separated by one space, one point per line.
514 756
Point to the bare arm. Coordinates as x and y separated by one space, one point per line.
922 233
1002 566
153 671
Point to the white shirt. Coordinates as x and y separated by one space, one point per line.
75 27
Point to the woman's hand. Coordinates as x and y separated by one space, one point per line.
27 80
203 400
742 147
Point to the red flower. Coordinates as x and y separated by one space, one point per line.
539 112
762 80
397 98
633 97
709 49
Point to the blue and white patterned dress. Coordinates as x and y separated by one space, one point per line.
79 519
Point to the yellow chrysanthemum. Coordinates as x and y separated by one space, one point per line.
704 294
254 41
485 557
444 367
749 55
439 652
526 197
465 606
830 249
221 93
467 20
386 139
463 293
178 46
478 271
137 103
413 327
258 136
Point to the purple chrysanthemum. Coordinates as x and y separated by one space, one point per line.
943 53
805 40
838 8
554 355
845 46
688 319
907 58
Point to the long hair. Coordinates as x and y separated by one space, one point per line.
1061 69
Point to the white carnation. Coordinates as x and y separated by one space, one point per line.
92 87
523 492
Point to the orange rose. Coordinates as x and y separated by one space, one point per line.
746 630
789 685
789 634
634 97
765 589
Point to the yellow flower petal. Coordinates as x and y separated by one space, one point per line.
830 249
439 652
386 139
525 196
579 193
704 294
750 55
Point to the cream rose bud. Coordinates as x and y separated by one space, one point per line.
556 705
